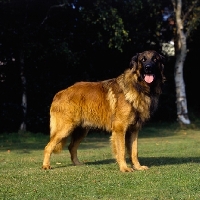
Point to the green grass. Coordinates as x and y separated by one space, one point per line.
171 152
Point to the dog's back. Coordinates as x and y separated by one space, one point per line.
85 104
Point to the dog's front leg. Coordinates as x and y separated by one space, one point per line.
134 151
118 145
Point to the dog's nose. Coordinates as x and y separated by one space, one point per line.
148 68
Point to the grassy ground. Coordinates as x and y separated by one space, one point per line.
171 152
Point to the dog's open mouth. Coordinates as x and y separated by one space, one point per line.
149 78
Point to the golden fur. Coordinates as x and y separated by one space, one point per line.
119 105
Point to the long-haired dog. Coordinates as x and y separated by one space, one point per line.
119 105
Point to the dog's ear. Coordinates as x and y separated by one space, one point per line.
162 60
134 61
163 57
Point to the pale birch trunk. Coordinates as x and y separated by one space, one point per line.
180 53
24 97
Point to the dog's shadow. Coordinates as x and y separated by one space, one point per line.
153 161
159 161
148 161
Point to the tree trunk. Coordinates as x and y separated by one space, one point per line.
180 52
24 97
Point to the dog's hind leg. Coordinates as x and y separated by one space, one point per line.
57 141
76 137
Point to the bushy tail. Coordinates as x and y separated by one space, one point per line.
58 148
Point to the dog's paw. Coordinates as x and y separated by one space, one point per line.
140 167
76 162
46 167
126 169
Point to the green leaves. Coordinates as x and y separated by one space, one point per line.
106 19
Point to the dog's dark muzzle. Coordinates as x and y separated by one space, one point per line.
149 73
149 69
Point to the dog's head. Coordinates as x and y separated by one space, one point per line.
149 66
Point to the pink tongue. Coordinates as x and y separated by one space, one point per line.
148 78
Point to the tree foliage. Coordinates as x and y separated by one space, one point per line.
72 40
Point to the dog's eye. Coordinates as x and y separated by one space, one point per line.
144 59
155 59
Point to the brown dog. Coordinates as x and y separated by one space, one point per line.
119 105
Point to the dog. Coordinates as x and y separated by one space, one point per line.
120 105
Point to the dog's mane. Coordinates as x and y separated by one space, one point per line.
141 96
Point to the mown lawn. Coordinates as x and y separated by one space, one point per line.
171 152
